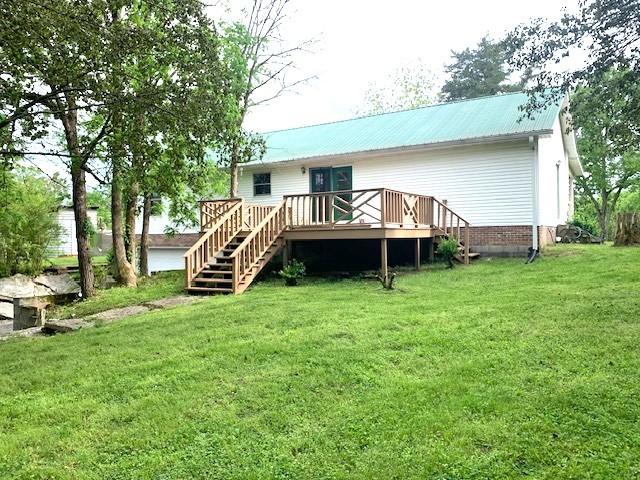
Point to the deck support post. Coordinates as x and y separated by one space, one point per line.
430 253
384 268
286 253
417 254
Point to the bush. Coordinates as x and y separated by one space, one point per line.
28 222
447 249
292 272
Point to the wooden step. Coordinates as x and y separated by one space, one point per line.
212 280
216 272
209 290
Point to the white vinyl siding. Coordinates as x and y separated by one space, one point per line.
489 185
555 205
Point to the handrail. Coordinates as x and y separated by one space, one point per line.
212 241
252 248
212 210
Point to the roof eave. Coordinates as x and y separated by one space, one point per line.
403 149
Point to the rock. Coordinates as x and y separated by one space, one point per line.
64 326
21 286
119 313
6 310
59 284
28 332
30 312
6 327
174 301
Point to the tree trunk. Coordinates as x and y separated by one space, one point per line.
130 223
233 187
124 270
144 238
79 198
628 229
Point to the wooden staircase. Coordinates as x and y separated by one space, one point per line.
239 242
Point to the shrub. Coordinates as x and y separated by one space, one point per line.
28 222
292 272
447 249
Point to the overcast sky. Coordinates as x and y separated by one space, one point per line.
363 41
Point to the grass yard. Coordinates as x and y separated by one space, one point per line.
72 261
500 370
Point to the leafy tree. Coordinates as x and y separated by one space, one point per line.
101 199
598 113
28 222
478 72
54 65
258 61
407 87
603 35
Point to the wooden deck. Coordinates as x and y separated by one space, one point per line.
238 238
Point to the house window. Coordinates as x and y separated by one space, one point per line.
262 184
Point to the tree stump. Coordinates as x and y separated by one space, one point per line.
628 229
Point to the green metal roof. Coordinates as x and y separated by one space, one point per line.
465 120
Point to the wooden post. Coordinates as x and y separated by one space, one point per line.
417 254
384 268
467 237
285 254
430 252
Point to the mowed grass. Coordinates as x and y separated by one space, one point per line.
499 370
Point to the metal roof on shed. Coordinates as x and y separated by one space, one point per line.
465 120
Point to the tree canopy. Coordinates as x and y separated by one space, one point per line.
479 71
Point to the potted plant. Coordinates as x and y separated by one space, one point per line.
292 272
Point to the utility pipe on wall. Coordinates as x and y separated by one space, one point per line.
533 251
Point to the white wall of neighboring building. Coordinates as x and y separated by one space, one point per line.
488 184
158 223
166 259
555 199
67 243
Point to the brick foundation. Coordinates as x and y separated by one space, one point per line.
510 240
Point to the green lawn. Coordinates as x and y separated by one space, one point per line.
499 370
72 261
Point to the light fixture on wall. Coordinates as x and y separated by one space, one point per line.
303 170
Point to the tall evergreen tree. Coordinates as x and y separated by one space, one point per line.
480 71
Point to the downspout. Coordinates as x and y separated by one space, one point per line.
533 250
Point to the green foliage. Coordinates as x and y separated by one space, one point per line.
455 375
479 72
586 219
294 271
447 249
28 221
629 201
407 87
598 115
602 35
100 198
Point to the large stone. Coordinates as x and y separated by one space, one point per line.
30 312
119 313
21 286
6 311
174 301
6 327
62 284
68 325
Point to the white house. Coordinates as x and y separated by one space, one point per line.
510 176
67 243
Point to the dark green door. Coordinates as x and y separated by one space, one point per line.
327 180
342 179
320 182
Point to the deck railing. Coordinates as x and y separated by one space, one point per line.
212 210
253 247
375 208
213 241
